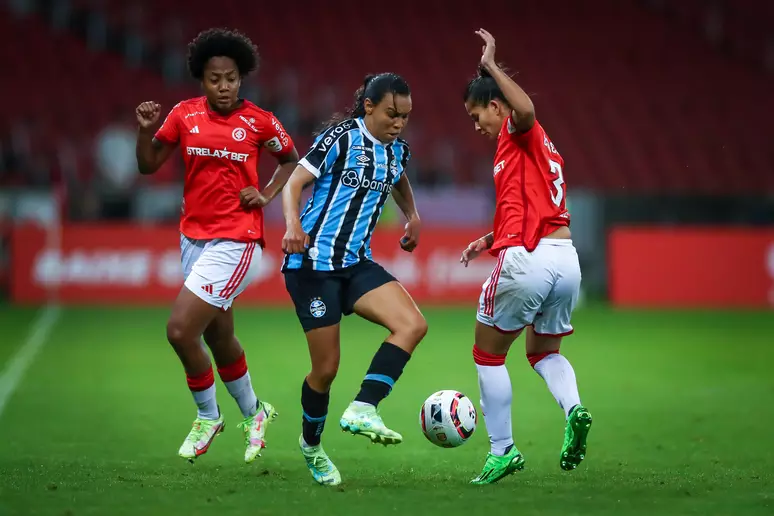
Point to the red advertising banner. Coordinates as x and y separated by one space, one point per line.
128 264
691 267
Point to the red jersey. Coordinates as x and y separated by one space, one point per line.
221 158
529 188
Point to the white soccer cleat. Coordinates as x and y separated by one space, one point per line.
320 465
200 437
364 420
254 428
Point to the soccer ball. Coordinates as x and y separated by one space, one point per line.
448 418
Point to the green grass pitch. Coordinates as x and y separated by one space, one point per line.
682 405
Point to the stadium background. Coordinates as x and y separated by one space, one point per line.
662 110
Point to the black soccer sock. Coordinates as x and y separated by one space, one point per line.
315 407
386 368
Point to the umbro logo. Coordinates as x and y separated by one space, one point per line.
363 159
194 130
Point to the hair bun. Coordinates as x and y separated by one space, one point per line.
483 72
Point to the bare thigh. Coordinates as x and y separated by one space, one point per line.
391 307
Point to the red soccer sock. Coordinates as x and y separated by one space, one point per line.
534 358
203 389
233 371
201 382
237 380
487 359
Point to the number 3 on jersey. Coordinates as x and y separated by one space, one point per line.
556 168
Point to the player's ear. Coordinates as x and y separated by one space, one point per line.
369 106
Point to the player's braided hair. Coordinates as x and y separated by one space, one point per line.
483 89
222 42
374 87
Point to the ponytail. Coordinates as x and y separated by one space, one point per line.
483 88
357 110
374 87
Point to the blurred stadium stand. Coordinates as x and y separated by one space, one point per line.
645 99
632 99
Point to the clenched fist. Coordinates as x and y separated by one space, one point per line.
148 114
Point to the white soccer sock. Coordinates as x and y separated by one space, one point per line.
242 391
206 403
496 395
559 375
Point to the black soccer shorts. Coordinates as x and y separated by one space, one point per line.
322 297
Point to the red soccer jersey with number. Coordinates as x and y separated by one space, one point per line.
221 158
529 188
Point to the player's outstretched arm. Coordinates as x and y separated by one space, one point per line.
295 240
404 198
150 152
521 104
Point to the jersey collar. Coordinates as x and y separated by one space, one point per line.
215 114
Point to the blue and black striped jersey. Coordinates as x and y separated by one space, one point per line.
355 174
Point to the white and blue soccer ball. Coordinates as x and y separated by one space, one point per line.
448 418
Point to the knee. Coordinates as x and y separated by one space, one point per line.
323 374
541 345
414 328
220 334
419 327
176 334
221 340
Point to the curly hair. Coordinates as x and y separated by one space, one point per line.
222 42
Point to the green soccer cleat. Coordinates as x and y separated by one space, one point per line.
575 433
323 470
497 467
200 437
364 420
254 428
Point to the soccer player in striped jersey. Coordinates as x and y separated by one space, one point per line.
355 164
534 286
221 227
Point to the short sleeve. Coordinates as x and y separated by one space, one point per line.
169 132
530 140
275 138
326 149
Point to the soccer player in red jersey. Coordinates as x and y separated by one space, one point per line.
534 286
221 137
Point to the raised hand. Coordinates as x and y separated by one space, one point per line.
148 114
488 50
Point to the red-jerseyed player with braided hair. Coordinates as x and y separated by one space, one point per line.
536 281
221 137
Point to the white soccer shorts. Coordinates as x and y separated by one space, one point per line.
219 270
540 289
